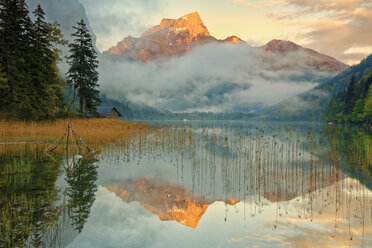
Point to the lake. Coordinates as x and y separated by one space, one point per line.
193 184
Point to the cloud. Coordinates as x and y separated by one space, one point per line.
136 228
334 6
112 20
331 27
359 50
348 29
258 4
215 78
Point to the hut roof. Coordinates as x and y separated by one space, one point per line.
104 111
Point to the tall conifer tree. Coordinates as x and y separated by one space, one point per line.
30 87
47 85
14 56
83 74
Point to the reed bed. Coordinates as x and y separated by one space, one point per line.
322 174
262 166
93 131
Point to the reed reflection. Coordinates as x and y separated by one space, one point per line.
305 174
33 209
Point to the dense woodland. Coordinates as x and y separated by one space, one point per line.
31 87
353 104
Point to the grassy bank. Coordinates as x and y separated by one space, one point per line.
93 131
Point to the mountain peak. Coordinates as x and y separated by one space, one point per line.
193 15
191 23
233 39
281 46
175 37
170 38
312 59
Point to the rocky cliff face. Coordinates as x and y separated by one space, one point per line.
172 37
66 13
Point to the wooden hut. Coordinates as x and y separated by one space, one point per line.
108 112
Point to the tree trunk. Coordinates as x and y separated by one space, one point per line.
81 100
73 100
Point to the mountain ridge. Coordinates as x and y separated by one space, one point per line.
172 37
176 37
314 58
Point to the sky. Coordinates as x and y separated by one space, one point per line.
339 28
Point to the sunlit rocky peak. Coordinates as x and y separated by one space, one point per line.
176 37
191 25
233 39
172 37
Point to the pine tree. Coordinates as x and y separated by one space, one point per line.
351 96
4 87
48 97
82 74
30 88
40 61
14 50
368 104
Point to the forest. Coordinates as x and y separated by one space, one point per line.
31 86
354 104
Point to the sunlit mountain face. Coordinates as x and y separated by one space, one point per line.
171 37
176 37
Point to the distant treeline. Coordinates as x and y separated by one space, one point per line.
30 86
353 105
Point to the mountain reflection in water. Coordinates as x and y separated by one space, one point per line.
230 185
169 202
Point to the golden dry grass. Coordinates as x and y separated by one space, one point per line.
93 131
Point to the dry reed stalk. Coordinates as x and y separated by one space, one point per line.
93 131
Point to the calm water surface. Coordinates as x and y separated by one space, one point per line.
199 184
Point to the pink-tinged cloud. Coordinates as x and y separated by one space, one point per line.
333 27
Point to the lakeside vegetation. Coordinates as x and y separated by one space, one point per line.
93 130
252 163
353 104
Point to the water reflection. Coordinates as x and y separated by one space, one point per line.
33 210
224 185
299 175
169 202
81 178
27 209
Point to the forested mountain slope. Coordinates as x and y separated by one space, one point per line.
312 105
